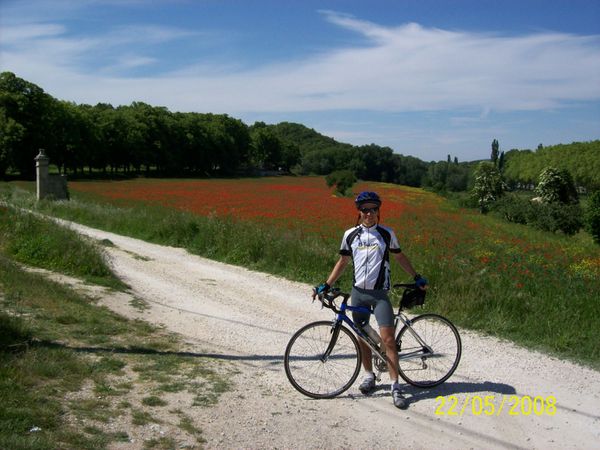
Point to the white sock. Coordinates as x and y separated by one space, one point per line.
395 385
369 375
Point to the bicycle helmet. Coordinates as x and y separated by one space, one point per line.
367 197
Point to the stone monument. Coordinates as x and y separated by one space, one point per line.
49 186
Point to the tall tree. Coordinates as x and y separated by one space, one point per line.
266 149
30 107
11 133
495 152
501 162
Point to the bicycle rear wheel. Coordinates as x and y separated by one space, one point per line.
321 360
429 352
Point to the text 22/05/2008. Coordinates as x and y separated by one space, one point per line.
491 405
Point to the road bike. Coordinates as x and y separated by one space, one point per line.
323 359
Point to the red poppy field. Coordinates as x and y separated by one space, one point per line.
434 234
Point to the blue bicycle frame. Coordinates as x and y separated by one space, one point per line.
343 317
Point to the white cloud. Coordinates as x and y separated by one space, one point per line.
13 35
403 68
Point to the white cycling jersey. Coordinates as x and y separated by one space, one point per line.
369 248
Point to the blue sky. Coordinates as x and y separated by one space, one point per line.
426 78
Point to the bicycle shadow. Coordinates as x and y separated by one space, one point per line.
414 394
458 387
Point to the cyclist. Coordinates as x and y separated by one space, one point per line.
368 245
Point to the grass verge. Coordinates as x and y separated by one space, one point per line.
74 374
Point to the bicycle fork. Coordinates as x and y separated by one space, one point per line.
335 332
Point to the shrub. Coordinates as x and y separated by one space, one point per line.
556 186
515 209
488 186
343 180
555 217
552 217
592 216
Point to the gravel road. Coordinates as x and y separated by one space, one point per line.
247 318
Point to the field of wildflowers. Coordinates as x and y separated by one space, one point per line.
536 288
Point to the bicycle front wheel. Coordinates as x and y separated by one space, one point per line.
322 360
429 350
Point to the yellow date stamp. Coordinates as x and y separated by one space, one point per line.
492 405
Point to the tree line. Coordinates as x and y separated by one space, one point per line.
151 140
580 159
144 139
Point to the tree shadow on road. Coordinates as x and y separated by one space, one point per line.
134 350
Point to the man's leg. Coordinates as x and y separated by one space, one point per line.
368 383
387 336
367 359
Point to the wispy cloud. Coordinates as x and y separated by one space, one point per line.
403 68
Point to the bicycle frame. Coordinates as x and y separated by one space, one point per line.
342 317
408 324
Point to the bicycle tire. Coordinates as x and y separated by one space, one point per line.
314 376
418 366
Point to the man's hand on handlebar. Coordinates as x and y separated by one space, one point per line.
420 282
323 288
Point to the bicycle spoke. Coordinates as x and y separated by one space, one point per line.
312 373
431 365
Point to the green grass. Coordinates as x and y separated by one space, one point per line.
62 357
43 361
38 242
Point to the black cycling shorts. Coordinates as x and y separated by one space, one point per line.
378 301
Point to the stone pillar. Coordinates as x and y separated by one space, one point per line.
41 169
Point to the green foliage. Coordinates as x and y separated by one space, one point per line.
495 152
321 155
488 186
445 176
343 180
592 216
266 149
140 138
26 113
514 208
11 133
581 159
556 186
557 217
501 162
552 217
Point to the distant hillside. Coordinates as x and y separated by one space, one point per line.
307 139
581 159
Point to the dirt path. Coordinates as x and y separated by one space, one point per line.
248 317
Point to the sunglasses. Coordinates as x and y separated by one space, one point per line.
369 210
